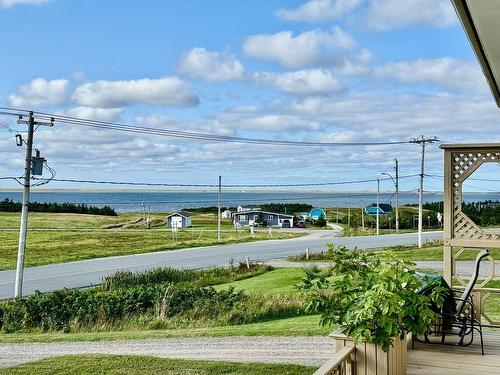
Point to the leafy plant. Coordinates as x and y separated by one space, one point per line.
372 297
320 222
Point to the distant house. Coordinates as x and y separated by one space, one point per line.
243 218
181 219
247 208
316 213
383 209
227 214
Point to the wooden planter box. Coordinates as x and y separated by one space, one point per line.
370 359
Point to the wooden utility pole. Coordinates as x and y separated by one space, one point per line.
422 141
362 215
219 237
23 228
349 210
24 211
378 205
397 193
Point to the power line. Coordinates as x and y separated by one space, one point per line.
187 135
158 184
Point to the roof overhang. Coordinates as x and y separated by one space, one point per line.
480 20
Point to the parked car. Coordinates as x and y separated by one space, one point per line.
285 224
301 224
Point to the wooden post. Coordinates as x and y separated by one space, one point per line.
247 260
448 220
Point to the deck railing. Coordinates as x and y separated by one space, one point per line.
342 363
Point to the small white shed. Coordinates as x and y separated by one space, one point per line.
181 219
227 214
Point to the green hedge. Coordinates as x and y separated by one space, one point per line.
61 309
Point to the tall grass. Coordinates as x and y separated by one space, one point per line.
193 278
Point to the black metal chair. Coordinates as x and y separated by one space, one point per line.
459 320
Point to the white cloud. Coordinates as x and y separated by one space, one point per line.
165 91
212 66
302 82
377 116
40 92
92 113
389 14
315 47
443 72
269 122
319 10
164 122
13 3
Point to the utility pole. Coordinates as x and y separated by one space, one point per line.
18 291
349 210
378 204
218 211
422 141
396 167
362 215
396 184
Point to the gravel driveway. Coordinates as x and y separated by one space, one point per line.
295 350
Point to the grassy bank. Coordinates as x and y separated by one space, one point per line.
264 302
296 326
119 364
162 299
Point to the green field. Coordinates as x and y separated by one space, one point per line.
120 364
58 238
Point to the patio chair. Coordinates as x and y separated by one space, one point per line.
459 320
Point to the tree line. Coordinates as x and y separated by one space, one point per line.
8 205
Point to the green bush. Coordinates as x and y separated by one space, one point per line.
320 222
63 309
371 297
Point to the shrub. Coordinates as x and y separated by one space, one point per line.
320 222
372 297
62 309
213 276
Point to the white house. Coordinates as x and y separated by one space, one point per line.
180 219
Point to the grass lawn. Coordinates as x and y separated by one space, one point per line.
81 237
281 280
297 326
118 364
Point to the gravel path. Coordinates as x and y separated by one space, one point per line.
313 351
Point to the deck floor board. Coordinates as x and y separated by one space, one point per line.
452 360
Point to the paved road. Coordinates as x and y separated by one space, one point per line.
311 351
90 272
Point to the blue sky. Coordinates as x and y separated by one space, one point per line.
319 70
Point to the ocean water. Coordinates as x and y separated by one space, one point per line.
128 201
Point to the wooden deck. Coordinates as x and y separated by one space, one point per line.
451 360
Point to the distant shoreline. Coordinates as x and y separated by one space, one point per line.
8 190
